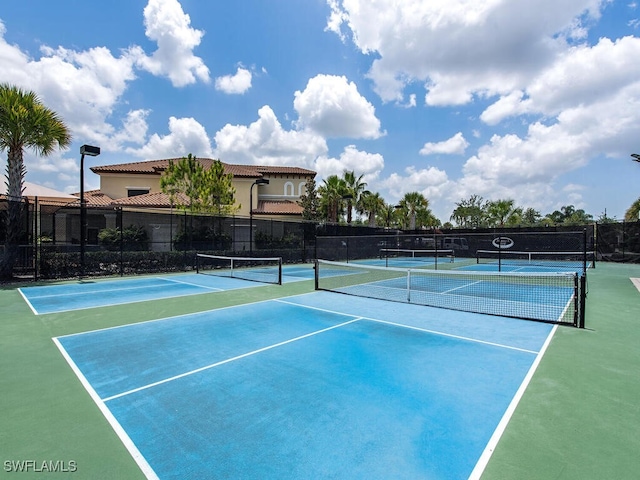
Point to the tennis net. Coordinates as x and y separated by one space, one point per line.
562 260
401 256
550 297
256 269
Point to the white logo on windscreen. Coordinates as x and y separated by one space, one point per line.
502 243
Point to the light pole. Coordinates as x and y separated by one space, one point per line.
259 181
92 152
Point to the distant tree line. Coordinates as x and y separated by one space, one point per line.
338 197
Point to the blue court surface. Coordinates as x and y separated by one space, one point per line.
92 294
521 268
317 386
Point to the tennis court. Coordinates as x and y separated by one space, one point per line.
310 386
99 293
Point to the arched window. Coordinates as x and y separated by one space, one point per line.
301 187
288 189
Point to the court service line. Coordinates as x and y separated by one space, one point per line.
228 360
425 330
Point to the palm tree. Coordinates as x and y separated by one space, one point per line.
355 187
633 213
370 204
332 192
411 203
24 123
469 213
499 212
387 215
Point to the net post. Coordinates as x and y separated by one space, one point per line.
583 300
500 253
197 262
435 244
409 285
584 251
280 271
316 274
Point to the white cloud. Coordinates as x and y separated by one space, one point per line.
168 25
454 145
333 107
235 84
580 76
266 142
185 136
432 182
351 159
460 47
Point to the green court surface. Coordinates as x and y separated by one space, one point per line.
578 418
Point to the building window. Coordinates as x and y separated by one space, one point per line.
288 189
301 188
134 192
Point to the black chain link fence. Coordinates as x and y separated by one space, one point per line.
135 241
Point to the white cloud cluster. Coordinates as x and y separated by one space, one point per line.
185 136
454 145
266 142
235 84
369 165
458 47
333 107
168 25
530 61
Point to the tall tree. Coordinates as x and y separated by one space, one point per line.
332 192
499 211
411 203
388 215
370 204
204 190
25 123
470 212
217 193
354 188
633 212
181 181
531 216
310 202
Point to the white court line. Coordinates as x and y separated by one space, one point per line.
458 288
126 440
207 367
434 332
192 284
495 438
28 302
76 293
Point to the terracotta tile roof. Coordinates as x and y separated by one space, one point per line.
280 207
151 200
95 197
158 166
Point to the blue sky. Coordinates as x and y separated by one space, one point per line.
538 102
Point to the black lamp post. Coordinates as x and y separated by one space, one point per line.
92 152
259 181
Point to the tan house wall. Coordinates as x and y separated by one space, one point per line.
116 185
280 187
